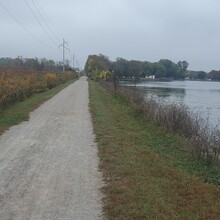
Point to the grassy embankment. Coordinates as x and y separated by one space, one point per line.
19 111
148 172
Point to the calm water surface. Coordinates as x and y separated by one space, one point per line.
202 96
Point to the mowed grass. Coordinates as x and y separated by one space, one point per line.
19 111
147 172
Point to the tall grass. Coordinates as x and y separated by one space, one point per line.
201 139
15 86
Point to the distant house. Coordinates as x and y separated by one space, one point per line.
150 77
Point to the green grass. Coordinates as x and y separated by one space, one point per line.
20 111
149 173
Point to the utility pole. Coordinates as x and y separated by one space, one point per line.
63 45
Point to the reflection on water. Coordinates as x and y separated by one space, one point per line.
198 95
166 92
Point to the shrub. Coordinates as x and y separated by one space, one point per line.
51 80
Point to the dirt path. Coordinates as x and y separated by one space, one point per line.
49 165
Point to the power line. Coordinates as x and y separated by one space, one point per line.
38 10
40 23
25 28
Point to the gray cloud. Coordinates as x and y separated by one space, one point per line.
143 29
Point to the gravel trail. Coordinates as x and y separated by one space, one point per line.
49 164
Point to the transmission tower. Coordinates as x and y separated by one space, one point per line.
63 45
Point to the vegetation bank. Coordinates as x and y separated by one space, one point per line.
149 173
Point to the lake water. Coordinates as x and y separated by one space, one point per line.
202 96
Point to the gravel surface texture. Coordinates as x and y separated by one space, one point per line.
49 164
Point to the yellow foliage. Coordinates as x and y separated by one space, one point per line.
51 80
105 75
16 86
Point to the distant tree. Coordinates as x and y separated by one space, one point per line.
182 70
120 67
51 63
6 62
32 63
43 64
159 70
201 75
123 67
171 67
214 75
192 74
17 62
147 69
29 63
135 68
67 64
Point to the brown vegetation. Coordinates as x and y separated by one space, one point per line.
15 86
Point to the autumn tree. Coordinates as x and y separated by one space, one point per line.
95 64
214 75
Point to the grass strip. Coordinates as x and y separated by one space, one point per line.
148 173
19 111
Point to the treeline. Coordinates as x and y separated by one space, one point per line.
202 75
96 65
99 66
31 64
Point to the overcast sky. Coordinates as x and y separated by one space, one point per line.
133 29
